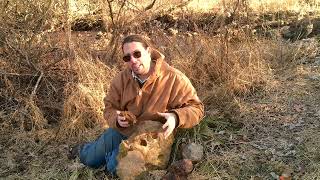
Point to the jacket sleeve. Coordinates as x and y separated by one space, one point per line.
185 103
112 103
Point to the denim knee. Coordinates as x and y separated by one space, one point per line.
93 154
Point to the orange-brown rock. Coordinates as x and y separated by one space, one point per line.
148 141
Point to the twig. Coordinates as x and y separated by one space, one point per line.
121 7
24 55
111 13
36 86
16 74
150 5
115 44
136 7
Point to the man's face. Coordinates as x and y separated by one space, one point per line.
140 58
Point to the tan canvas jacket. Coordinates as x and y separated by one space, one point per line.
166 90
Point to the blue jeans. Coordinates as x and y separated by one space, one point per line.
102 151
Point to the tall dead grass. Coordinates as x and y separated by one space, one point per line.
83 104
221 70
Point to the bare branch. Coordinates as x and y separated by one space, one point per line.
24 55
68 26
150 5
111 12
136 7
121 7
16 74
36 86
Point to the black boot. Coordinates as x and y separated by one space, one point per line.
74 151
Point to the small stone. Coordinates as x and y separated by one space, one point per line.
193 151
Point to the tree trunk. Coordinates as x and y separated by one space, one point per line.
68 28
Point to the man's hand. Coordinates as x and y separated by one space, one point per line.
170 123
122 120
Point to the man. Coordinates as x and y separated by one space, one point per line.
148 89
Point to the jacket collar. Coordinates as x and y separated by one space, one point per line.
158 59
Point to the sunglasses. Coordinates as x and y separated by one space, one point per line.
136 54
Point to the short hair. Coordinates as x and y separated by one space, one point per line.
145 41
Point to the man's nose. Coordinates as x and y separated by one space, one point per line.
133 59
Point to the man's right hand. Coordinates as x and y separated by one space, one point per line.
122 120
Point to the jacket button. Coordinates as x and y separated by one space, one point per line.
140 93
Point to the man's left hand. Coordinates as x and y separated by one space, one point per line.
170 123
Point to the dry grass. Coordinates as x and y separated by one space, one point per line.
284 5
83 104
221 69
310 153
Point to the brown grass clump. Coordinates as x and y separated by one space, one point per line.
83 105
21 108
27 117
220 69
32 116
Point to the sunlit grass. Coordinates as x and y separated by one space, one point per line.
283 5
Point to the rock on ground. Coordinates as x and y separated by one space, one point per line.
193 151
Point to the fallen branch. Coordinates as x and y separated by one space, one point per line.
36 86
16 74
